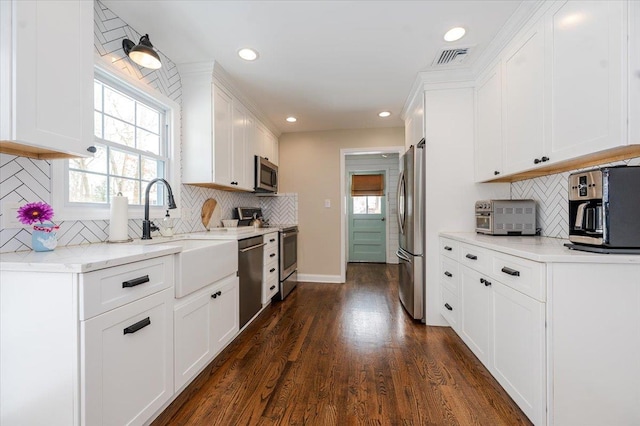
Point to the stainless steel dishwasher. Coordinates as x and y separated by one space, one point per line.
250 264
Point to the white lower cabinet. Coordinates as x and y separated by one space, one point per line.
501 322
517 355
127 370
204 323
271 264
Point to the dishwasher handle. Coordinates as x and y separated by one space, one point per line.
252 247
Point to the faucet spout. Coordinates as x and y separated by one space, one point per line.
147 225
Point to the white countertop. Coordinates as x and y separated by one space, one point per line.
91 257
539 249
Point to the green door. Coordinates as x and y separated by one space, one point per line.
367 227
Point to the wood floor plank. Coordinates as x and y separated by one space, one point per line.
344 354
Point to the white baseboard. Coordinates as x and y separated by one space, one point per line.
315 278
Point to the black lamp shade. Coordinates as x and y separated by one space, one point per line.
143 53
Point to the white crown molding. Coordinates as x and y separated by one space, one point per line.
212 69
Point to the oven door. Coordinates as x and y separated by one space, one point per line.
484 223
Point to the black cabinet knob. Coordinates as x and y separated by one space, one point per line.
544 159
92 149
272 287
537 161
496 172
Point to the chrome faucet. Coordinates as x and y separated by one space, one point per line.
147 225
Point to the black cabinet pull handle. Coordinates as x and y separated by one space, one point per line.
272 269
136 281
472 256
544 159
482 280
272 287
447 248
449 274
137 326
272 240
511 272
448 306
487 283
496 173
272 255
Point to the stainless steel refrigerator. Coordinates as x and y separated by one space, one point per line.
411 195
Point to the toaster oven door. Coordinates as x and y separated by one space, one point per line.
484 223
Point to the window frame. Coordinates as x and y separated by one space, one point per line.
111 75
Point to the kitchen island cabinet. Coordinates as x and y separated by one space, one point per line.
46 108
547 307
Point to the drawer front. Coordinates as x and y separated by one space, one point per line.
476 258
449 307
128 368
449 274
271 240
270 270
270 253
449 248
269 289
523 275
109 288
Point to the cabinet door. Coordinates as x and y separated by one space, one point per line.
238 148
222 129
273 147
523 101
43 104
128 370
251 150
193 345
489 125
518 352
587 62
475 297
225 313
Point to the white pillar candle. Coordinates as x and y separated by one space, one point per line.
119 219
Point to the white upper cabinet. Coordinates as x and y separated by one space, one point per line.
220 134
586 59
414 122
634 73
523 96
46 108
489 125
267 144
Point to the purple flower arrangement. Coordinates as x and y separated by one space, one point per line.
43 237
35 212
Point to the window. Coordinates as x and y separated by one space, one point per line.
367 205
366 193
131 150
136 139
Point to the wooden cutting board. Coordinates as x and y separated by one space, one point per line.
208 209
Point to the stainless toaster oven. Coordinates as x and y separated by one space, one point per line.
506 217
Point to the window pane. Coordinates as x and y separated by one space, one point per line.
97 164
152 168
87 188
118 105
128 187
359 205
97 96
97 124
118 131
123 164
148 118
148 142
374 205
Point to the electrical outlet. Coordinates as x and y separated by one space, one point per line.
10 216
327 203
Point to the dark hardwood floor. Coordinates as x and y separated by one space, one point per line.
342 354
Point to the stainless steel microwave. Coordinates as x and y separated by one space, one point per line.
266 179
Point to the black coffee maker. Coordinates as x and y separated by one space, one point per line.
604 210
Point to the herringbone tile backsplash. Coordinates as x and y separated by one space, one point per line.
551 194
25 180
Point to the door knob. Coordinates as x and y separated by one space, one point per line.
383 219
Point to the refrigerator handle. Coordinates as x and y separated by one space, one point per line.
402 256
399 200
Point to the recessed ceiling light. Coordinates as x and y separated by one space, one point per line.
248 54
454 34
292 119
384 114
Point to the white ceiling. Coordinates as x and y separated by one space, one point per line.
332 64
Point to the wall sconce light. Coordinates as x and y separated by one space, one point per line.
142 53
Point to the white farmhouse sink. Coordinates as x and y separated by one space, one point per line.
202 262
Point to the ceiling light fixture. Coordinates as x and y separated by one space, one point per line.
292 119
454 34
248 54
142 53
384 114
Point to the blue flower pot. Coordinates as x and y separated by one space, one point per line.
43 237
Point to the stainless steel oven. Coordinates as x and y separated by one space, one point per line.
288 260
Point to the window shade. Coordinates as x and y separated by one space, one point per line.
362 185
